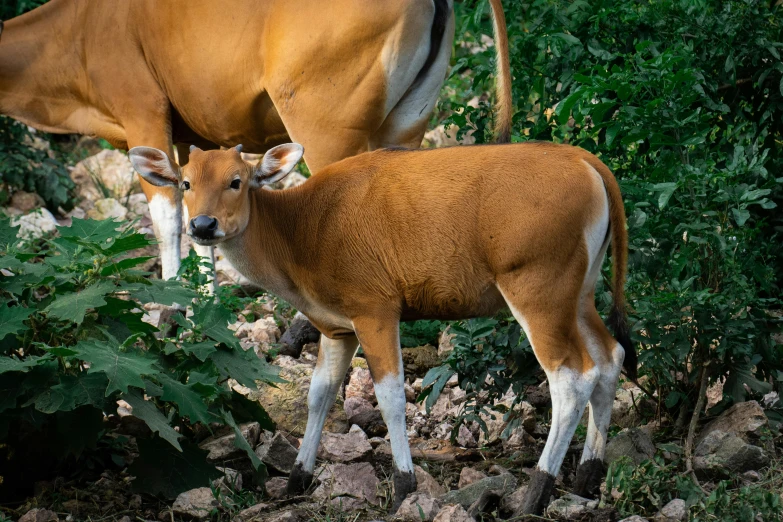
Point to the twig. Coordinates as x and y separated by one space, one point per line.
694 421
739 82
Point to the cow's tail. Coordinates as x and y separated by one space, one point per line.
503 104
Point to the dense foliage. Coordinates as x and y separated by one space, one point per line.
683 100
73 343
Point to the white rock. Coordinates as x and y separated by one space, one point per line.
112 168
418 507
108 208
196 503
36 224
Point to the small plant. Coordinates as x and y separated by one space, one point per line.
490 357
74 342
644 489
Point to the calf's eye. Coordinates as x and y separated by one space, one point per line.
186 185
235 184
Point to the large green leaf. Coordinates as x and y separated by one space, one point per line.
241 443
200 350
149 413
73 306
190 403
213 320
123 366
12 319
12 364
90 229
7 233
74 391
245 367
162 470
157 291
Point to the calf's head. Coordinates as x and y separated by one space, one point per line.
215 185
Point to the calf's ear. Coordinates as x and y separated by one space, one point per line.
155 166
278 162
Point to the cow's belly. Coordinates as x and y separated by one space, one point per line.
227 119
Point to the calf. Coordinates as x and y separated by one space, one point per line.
450 233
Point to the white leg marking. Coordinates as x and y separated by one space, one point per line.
601 402
390 392
207 254
167 223
333 360
570 391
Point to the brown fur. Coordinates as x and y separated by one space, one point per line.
393 235
212 73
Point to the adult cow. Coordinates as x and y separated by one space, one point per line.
341 77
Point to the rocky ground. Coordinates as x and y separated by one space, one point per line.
479 476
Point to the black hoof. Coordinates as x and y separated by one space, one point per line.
404 484
589 475
538 492
298 481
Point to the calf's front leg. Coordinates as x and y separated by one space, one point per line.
380 340
334 358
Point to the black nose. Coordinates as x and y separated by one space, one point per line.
203 226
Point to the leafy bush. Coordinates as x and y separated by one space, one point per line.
489 357
645 489
74 343
25 166
683 100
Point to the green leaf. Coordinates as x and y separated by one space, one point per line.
241 443
90 229
12 319
149 413
563 109
245 367
168 292
213 320
741 215
7 233
246 410
573 40
73 306
611 134
666 191
161 470
119 266
200 350
11 364
123 366
189 403
74 391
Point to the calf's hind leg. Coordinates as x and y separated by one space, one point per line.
572 377
609 358
334 357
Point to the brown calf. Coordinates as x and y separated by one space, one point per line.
341 77
437 234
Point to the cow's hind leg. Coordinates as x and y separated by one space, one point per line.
334 357
552 330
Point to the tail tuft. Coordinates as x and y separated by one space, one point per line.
619 325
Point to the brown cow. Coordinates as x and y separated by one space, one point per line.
341 77
437 234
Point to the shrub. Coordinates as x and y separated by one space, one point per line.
74 343
683 100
